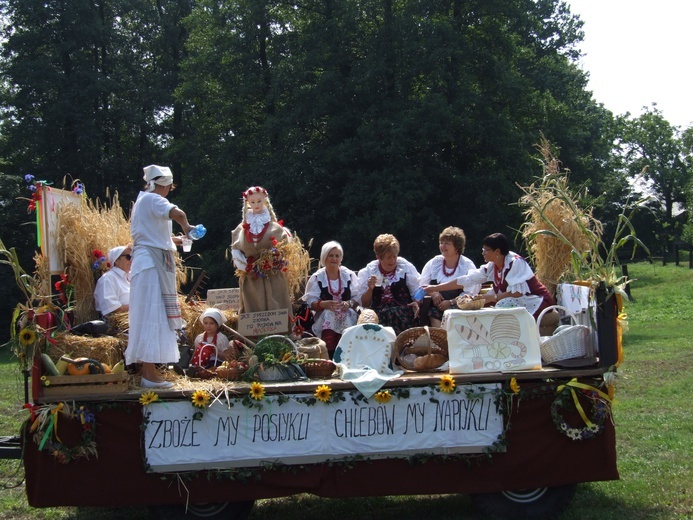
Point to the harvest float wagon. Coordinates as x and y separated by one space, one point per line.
516 435
513 440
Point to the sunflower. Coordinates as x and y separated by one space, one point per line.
201 398
27 337
323 393
514 386
446 384
148 398
257 391
383 396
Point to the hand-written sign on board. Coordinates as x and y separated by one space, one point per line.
294 432
261 323
224 299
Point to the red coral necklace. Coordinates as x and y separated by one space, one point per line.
338 292
447 274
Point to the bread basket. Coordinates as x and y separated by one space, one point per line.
318 368
465 302
421 349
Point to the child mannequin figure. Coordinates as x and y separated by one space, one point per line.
212 319
262 288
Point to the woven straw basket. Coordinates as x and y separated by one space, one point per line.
427 338
465 304
318 368
232 374
567 342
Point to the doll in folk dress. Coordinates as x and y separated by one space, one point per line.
260 265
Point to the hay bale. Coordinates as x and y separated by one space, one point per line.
105 349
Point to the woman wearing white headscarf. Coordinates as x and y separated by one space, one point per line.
154 310
331 292
112 291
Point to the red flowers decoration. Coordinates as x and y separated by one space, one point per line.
64 289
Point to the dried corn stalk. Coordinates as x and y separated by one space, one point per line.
560 234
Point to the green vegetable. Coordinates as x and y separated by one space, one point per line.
49 366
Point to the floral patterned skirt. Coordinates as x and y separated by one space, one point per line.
399 317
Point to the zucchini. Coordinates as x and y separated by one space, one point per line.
48 365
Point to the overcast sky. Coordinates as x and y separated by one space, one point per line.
638 52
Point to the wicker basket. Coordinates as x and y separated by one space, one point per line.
567 342
319 368
432 343
231 374
464 303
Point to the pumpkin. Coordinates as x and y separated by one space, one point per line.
78 367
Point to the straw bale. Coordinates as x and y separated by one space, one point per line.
299 266
105 349
81 229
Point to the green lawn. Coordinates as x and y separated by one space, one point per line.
653 420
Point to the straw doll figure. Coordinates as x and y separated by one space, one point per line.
256 248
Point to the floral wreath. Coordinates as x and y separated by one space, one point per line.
568 400
45 429
255 189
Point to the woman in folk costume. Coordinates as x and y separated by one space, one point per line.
331 292
514 282
260 265
154 310
387 285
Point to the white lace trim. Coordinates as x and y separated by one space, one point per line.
257 221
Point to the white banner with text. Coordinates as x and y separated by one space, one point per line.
301 430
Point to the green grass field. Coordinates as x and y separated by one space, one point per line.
653 420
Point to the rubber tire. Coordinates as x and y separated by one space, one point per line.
220 511
541 503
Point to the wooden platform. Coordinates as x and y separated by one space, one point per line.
90 390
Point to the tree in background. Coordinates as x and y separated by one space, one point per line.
89 86
374 116
653 146
360 116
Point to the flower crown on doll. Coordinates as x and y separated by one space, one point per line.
252 191
255 189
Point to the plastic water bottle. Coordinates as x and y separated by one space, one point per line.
197 232
419 295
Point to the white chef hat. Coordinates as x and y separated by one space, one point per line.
215 314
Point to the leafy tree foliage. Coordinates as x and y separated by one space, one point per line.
653 146
360 116
373 116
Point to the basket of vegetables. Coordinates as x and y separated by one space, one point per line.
274 359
